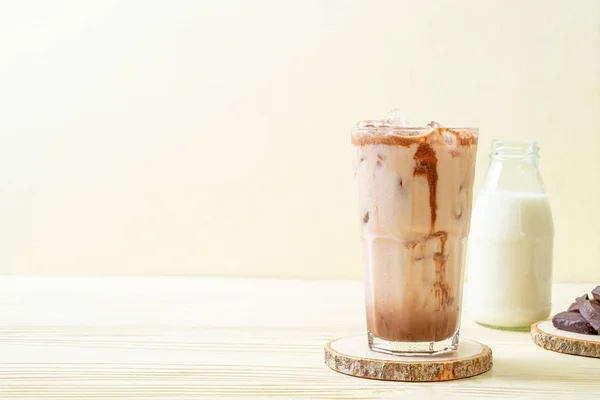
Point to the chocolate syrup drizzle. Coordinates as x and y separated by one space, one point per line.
426 164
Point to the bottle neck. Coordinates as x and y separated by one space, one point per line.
517 149
532 161
514 167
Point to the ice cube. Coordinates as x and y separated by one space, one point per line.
396 118
435 124
371 124
449 138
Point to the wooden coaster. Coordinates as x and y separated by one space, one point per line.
545 335
352 356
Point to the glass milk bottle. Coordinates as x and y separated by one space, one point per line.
510 247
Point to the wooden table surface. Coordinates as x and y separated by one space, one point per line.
219 338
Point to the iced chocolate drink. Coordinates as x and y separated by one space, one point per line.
414 200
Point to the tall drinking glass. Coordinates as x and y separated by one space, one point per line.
414 189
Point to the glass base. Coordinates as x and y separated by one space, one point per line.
506 328
413 348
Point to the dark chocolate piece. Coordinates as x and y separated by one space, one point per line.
596 293
573 322
574 307
590 310
579 300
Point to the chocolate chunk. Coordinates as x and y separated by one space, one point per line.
590 310
580 300
573 322
366 218
596 293
574 307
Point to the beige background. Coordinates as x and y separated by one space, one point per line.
211 137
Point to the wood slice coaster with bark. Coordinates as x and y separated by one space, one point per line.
352 356
545 335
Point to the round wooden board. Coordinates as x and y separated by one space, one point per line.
545 335
352 356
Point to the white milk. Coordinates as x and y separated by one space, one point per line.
510 259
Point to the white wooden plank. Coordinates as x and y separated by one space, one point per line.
195 338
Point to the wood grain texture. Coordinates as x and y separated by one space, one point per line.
563 344
408 369
214 338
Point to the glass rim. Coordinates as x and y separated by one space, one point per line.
410 130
